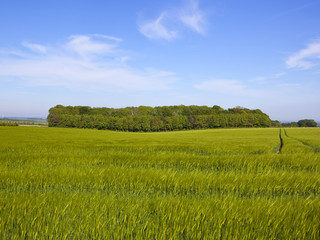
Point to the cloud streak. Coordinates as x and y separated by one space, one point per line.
221 85
170 23
228 86
84 62
305 58
193 17
35 47
156 29
90 46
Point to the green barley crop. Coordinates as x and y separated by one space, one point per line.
209 184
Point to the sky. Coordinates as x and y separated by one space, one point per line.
116 53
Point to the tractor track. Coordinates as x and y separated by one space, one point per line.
281 142
316 149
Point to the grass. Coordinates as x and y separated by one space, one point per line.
209 184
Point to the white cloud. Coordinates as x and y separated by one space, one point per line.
90 46
170 23
85 62
193 17
107 37
35 47
156 29
305 58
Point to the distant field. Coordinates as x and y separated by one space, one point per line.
26 121
211 184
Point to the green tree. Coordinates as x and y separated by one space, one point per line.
307 123
166 118
156 124
275 123
84 110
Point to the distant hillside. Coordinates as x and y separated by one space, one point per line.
166 118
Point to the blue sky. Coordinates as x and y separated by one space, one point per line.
116 53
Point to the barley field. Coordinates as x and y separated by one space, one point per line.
209 184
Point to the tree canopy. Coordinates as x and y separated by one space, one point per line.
165 118
300 123
307 123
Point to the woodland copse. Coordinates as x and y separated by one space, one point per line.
154 119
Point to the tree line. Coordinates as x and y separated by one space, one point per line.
11 124
300 123
153 119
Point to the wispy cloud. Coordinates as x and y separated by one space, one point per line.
265 79
221 85
259 79
305 58
156 29
35 47
227 86
85 62
171 22
90 46
193 17
279 75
